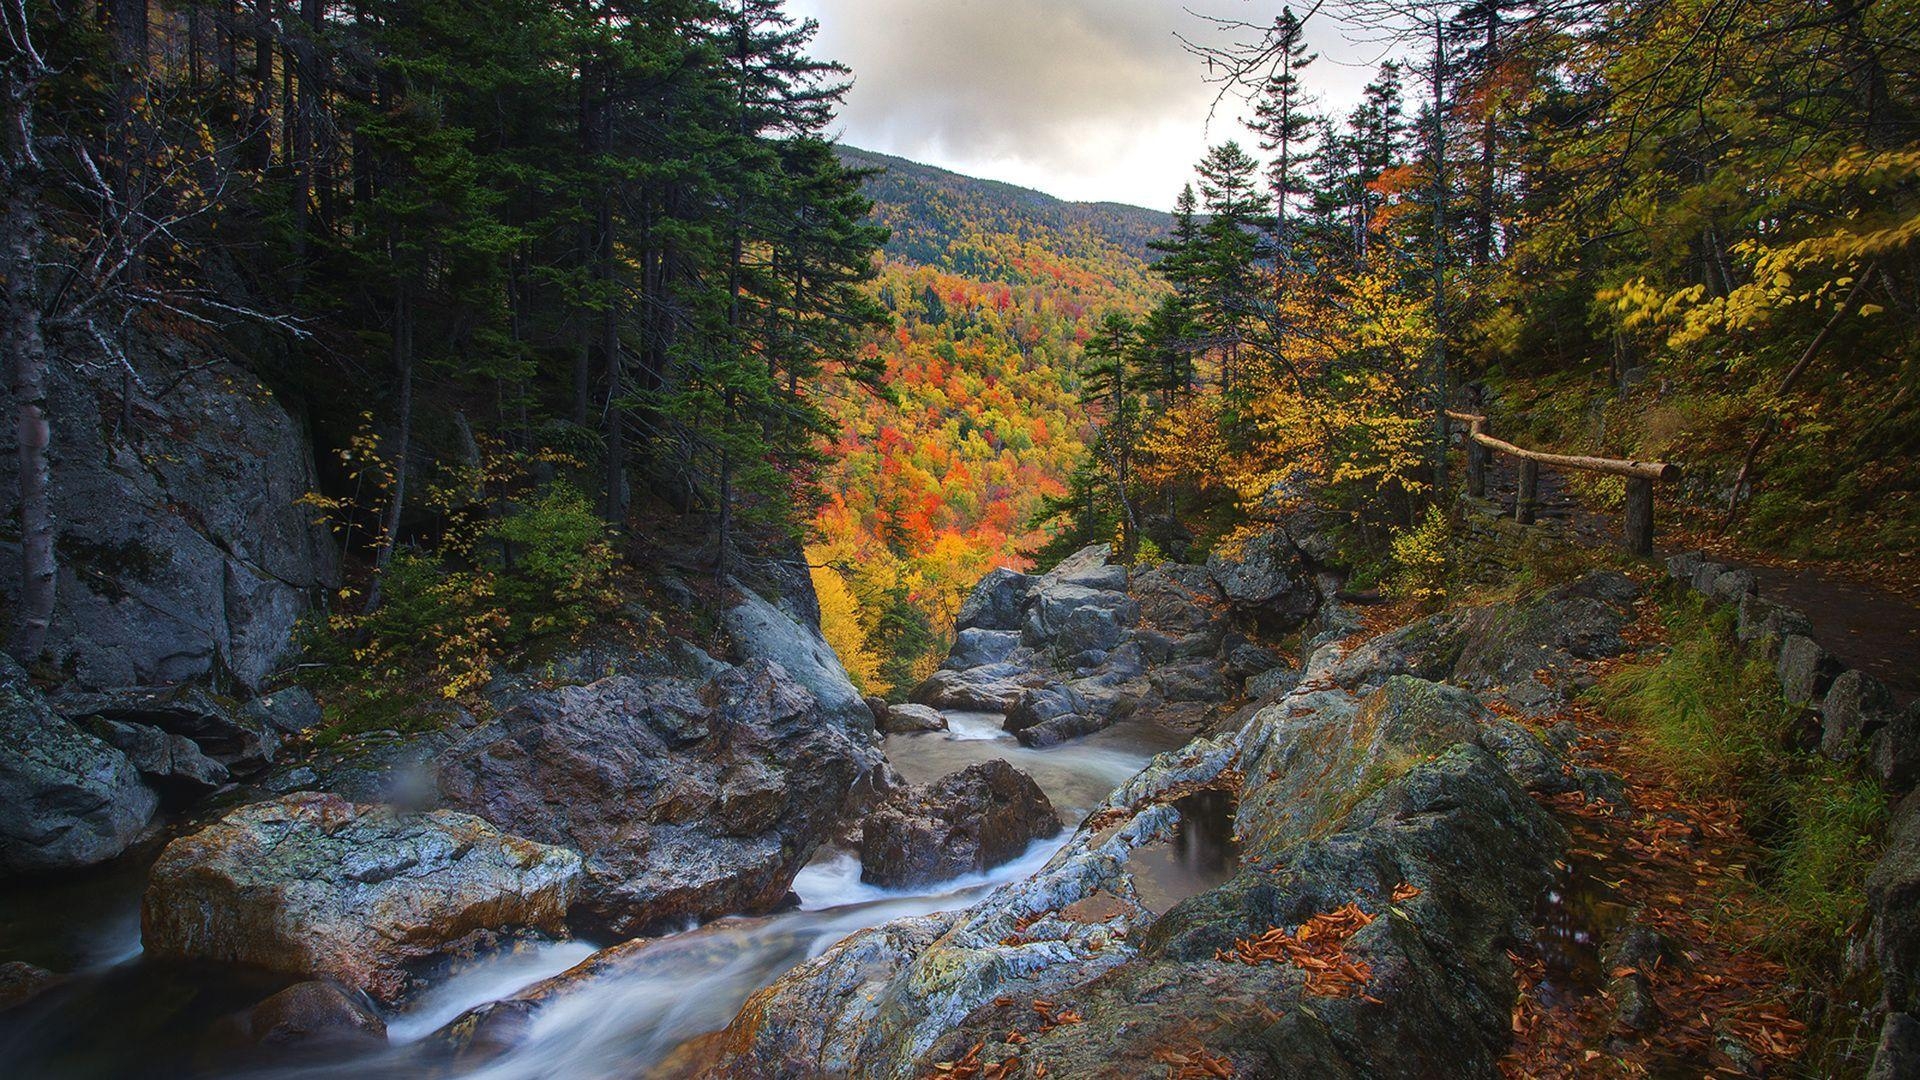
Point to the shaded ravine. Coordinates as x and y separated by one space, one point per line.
675 989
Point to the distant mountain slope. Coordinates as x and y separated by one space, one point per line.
992 289
939 218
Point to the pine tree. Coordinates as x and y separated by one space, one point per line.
1283 119
1107 389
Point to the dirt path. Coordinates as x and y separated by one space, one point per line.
1865 625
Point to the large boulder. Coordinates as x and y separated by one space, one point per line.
70 799
1070 619
912 719
185 551
974 647
969 821
996 603
1267 578
313 885
762 631
691 800
988 688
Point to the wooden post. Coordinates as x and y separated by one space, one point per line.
1640 515
1527 499
1476 469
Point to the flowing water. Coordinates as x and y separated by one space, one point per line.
124 1017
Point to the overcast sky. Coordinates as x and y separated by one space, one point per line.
1083 99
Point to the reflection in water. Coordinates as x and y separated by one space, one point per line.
1202 853
626 1025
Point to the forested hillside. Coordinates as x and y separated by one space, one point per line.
991 291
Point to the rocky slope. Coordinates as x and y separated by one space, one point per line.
1071 651
1389 811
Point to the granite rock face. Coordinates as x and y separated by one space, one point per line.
1088 643
185 555
71 799
690 799
314 885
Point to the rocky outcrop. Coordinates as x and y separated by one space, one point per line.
184 553
972 820
307 1012
690 799
1529 654
70 798
1267 576
1407 800
241 742
1086 644
313 885
764 632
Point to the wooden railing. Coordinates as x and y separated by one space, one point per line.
1640 476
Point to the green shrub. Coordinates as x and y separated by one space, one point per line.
1712 715
1420 557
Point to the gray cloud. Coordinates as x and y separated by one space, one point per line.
1090 99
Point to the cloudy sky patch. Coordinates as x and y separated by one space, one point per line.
1084 99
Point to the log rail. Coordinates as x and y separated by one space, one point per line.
1640 477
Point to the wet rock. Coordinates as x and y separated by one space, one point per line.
243 744
20 981
691 800
1806 670
1898 1055
910 719
1039 706
173 764
1855 708
1628 961
762 631
71 800
1061 729
1893 909
314 885
308 1011
289 711
997 603
969 821
989 688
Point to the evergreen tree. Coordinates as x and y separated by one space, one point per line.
1283 119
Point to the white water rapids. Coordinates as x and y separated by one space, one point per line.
622 1025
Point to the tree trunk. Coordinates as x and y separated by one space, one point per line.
1442 427
38 566
403 445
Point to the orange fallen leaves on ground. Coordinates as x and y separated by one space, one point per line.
1317 947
